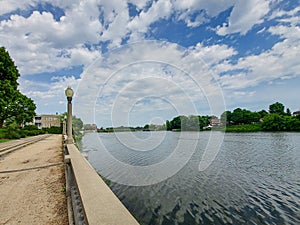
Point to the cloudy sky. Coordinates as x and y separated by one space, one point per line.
140 61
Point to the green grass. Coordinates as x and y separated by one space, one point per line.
244 128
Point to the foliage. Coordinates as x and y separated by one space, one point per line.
14 106
277 108
263 113
244 128
14 132
241 116
30 127
190 123
272 122
275 122
53 130
2 133
77 124
226 117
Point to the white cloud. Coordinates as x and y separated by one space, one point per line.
173 75
48 96
7 6
159 10
280 62
205 10
244 15
41 44
139 3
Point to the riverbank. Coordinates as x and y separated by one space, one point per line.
29 195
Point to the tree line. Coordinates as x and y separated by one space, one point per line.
189 123
275 119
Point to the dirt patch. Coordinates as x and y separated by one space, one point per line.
34 196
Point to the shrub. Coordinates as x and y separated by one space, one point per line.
30 127
53 130
12 134
2 133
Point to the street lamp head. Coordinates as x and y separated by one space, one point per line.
69 92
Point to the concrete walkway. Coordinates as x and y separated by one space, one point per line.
32 184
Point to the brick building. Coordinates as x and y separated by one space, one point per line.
46 121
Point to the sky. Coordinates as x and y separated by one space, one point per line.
139 61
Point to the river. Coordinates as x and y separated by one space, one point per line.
254 178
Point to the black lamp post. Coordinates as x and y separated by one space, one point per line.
69 93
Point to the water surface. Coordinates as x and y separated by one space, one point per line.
255 178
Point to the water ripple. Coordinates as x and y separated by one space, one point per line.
255 180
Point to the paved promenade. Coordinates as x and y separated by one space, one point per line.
32 184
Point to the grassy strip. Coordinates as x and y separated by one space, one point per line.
244 128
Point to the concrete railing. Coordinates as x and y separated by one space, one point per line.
99 203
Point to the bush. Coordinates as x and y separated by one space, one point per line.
12 134
2 133
21 133
244 128
53 130
30 127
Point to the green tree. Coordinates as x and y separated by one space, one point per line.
237 116
277 108
193 123
273 122
263 113
168 125
176 123
77 124
226 117
291 123
288 112
205 120
14 106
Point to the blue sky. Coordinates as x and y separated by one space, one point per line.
139 61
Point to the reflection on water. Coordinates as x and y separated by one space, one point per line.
255 179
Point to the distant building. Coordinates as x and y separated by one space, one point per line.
296 113
46 121
215 122
90 127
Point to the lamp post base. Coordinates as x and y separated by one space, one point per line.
70 140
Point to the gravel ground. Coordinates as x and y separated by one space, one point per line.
34 196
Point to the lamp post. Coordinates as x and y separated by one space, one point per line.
64 125
69 93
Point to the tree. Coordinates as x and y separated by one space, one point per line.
226 117
168 125
14 106
77 124
21 110
288 112
263 113
273 122
277 108
237 116
176 123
